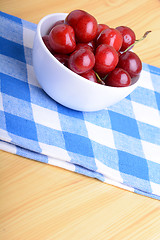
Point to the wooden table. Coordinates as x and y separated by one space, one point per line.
42 202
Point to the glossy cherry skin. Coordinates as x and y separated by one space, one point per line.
101 27
83 46
62 39
128 35
55 24
81 61
131 63
90 75
46 42
74 16
111 37
135 79
62 58
58 23
84 25
92 44
118 78
106 59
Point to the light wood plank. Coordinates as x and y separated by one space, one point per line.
39 201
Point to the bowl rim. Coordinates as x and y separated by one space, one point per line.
38 32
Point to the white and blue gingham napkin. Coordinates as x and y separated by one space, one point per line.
119 145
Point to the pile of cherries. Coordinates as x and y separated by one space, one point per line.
95 51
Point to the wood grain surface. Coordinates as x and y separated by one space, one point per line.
42 202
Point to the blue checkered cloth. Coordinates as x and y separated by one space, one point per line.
119 145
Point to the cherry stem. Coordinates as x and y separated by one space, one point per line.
99 79
143 37
105 77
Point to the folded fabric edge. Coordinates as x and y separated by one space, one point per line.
8 147
103 174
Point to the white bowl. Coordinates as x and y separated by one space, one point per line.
65 86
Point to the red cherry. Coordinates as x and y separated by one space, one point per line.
101 27
89 45
62 39
81 61
118 78
84 25
58 23
106 59
74 16
62 58
128 35
131 63
92 44
55 24
111 37
135 79
46 42
90 75
83 46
